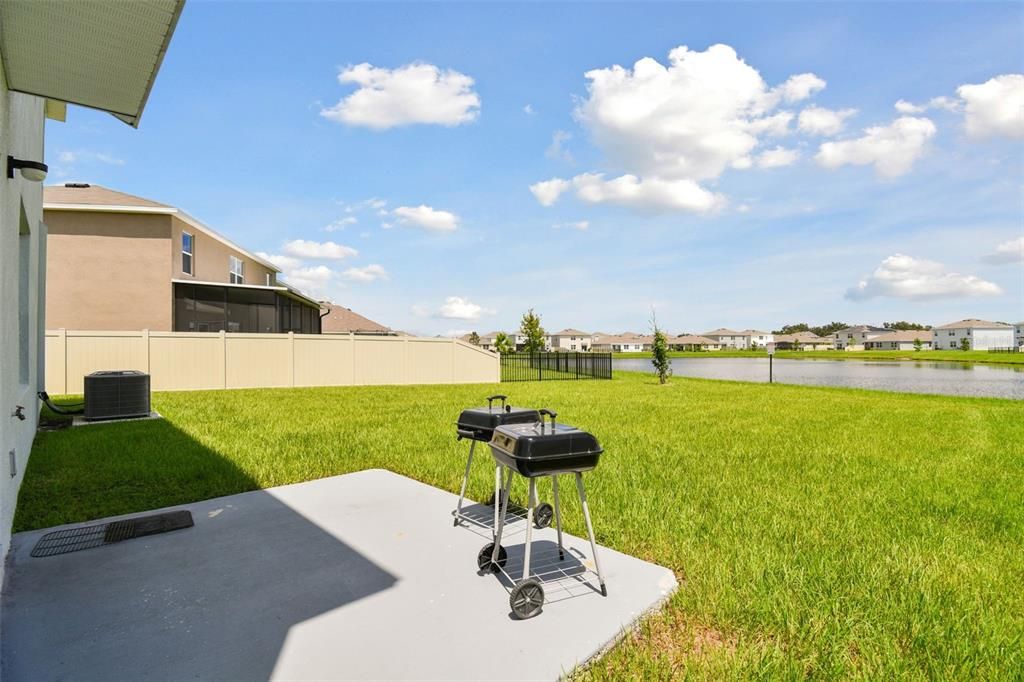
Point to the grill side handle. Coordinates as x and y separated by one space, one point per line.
463 433
549 413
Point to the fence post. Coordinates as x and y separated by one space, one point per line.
291 358
62 338
352 342
223 359
145 342
454 355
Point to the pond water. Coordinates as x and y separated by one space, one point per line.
948 378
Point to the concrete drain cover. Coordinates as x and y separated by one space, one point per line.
87 537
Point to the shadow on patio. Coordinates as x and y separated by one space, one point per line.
213 601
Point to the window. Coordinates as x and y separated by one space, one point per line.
237 270
187 251
270 281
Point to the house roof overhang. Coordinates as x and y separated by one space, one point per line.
101 55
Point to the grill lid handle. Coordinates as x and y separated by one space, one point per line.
549 413
492 398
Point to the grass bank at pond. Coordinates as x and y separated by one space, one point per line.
815 532
901 355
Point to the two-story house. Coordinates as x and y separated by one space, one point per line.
727 338
854 338
118 262
571 339
980 335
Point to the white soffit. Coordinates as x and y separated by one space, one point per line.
102 54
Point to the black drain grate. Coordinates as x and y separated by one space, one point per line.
77 539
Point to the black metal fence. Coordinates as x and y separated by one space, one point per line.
547 366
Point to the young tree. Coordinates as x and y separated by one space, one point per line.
534 333
965 343
503 344
659 352
474 338
918 344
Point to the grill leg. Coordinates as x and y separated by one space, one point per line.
558 517
497 495
590 530
465 480
501 519
531 502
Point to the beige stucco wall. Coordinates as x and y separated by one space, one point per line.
211 262
22 250
194 361
108 271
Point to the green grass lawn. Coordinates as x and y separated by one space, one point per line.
932 355
815 532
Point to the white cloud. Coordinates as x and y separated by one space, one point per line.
580 225
301 248
650 194
947 103
900 276
368 273
995 107
556 150
340 224
775 158
427 217
800 87
548 191
905 107
313 280
283 262
458 308
529 110
892 149
1011 251
70 157
414 93
822 121
690 119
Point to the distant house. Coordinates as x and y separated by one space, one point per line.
692 342
981 334
570 339
1018 335
728 338
118 262
854 338
808 341
902 340
487 341
757 338
336 319
634 343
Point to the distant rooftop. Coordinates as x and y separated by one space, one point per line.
570 332
81 193
974 323
343 320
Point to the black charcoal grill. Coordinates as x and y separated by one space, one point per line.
477 424
535 450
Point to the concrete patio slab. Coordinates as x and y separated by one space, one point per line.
359 576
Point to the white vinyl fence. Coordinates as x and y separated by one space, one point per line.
179 361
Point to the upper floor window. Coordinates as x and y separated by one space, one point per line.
237 275
270 279
187 251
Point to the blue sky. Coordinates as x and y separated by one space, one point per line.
695 183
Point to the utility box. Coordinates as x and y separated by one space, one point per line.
118 394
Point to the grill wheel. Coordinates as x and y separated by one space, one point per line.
483 559
527 598
542 515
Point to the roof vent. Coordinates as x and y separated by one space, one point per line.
76 185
